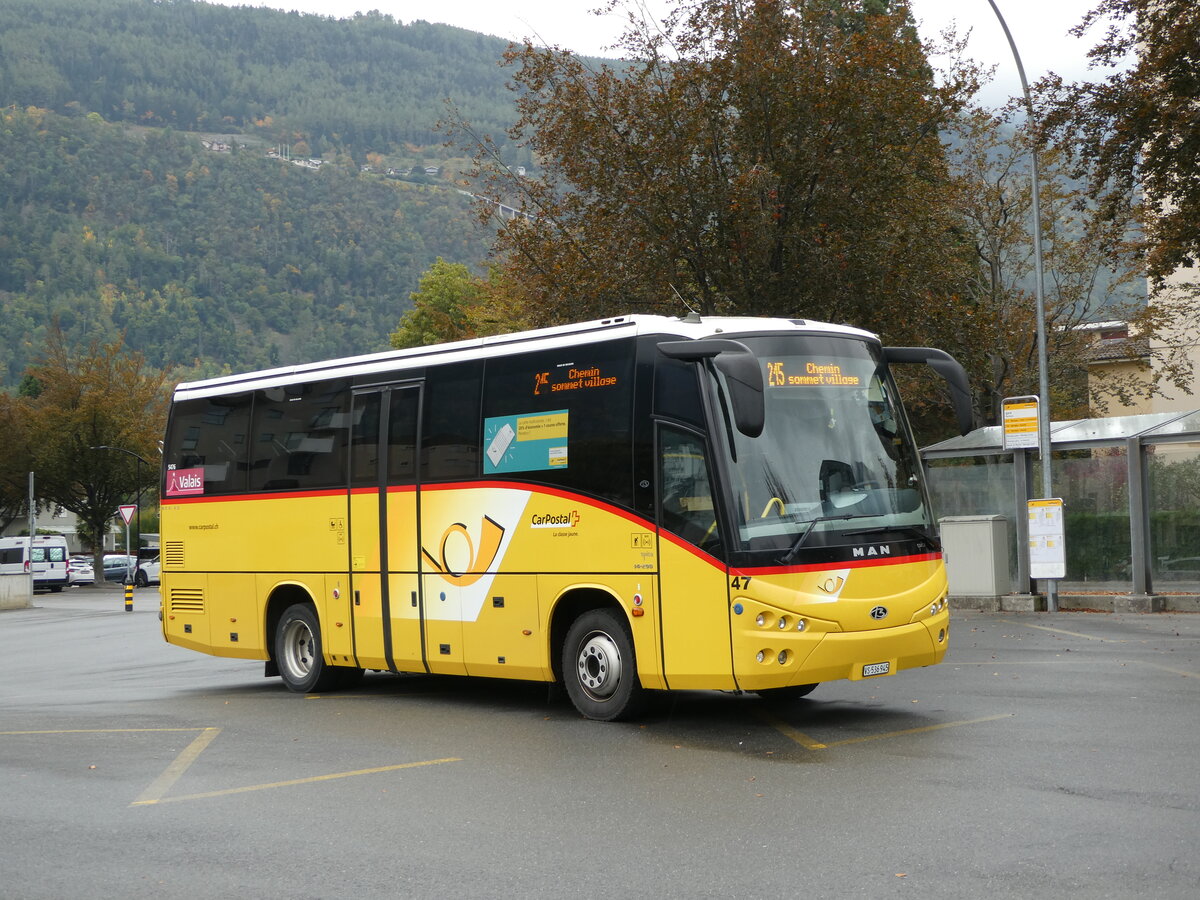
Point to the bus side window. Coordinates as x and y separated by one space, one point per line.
450 439
687 506
298 436
210 434
594 386
402 436
677 391
364 441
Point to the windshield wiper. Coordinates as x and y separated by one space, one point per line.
799 542
914 530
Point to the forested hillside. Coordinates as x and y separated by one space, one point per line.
365 84
206 260
116 217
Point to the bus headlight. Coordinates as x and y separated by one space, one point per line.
783 623
799 624
760 620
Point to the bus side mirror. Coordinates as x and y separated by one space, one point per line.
946 366
742 375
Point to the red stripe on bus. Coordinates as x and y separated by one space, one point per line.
839 564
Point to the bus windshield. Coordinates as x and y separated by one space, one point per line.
835 460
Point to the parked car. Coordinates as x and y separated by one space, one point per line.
148 571
117 565
80 570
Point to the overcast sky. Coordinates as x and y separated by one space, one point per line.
1039 27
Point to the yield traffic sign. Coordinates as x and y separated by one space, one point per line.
127 512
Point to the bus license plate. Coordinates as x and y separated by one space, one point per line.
876 669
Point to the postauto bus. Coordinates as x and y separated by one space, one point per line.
629 505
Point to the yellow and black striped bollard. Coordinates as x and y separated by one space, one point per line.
129 596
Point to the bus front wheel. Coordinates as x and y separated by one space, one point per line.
298 652
599 667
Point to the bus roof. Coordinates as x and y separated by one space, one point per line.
391 361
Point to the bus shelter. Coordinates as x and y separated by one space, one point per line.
1130 487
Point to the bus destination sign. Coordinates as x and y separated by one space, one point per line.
808 373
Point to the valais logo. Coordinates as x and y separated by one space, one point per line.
182 482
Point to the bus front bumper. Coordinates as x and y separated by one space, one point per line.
857 656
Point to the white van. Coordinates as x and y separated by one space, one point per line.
46 560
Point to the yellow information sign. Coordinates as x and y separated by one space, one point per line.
1019 423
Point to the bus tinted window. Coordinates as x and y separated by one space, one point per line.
364 441
677 391
402 436
210 434
450 441
299 437
563 417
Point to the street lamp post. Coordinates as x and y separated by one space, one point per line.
137 502
1043 375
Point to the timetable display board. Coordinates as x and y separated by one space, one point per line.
1047 547
1020 423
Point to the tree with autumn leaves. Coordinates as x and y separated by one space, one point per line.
773 158
70 403
1134 135
789 158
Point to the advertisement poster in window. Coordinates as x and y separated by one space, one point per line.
525 443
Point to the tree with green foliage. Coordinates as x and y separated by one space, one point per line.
442 306
765 157
104 396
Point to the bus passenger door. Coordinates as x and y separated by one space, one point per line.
383 523
693 590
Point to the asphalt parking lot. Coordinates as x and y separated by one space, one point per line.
1052 754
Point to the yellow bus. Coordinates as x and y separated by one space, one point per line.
628 505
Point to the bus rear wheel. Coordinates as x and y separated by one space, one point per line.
298 653
599 667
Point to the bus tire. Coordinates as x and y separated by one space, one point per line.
787 694
599 667
298 652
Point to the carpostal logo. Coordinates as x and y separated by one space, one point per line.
556 520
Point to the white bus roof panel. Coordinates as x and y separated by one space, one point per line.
394 362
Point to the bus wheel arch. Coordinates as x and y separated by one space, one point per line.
295 642
594 656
